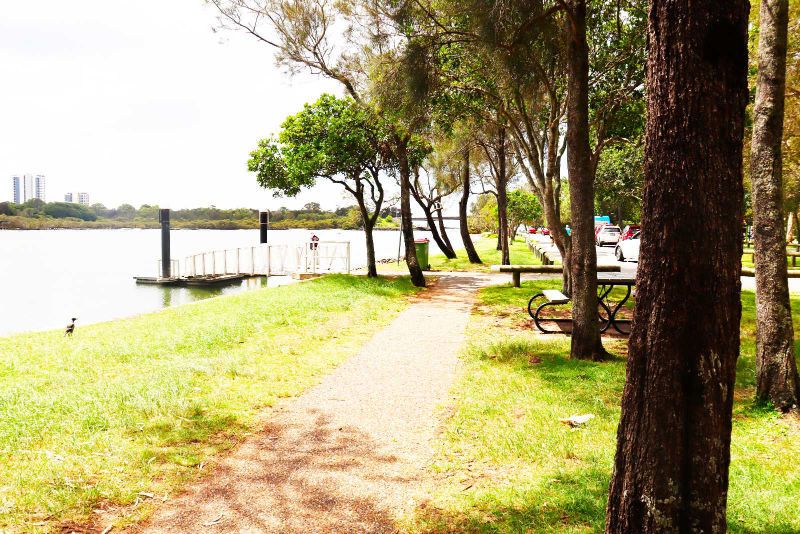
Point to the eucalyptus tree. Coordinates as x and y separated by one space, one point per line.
333 139
673 440
777 380
352 43
548 67
494 164
439 179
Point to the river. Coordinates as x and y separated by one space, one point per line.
49 276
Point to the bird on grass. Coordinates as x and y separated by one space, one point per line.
70 328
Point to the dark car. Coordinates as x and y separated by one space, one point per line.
629 230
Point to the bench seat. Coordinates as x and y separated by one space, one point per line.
554 296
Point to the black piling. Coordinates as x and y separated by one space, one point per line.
166 264
263 220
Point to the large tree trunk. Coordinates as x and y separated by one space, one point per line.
463 222
776 369
586 343
673 440
414 270
372 268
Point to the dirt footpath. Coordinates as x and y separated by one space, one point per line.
348 455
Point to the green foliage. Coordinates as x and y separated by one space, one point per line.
619 182
483 214
60 210
333 138
136 405
523 208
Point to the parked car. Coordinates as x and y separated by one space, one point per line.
629 230
532 230
608 235
545 231
628 249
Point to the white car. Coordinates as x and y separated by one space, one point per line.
608 235
628 250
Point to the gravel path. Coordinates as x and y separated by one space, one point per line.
346 456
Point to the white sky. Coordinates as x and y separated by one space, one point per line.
138 101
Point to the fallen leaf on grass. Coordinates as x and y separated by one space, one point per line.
214 522
575 421
533 360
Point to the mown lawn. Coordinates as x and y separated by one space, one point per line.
127 411
487 250
506 464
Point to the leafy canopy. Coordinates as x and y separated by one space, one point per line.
333 138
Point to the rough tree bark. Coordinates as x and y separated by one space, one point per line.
502 196
673 440
443 229
776 368
463 222
414 270
372 268
586 343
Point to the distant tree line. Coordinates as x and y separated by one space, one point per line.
36 214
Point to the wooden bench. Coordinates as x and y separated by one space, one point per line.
791 273
551 297
517 270
789 254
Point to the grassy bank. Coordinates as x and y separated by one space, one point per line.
506 463
127 411
486 247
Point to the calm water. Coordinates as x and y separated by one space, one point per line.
48 276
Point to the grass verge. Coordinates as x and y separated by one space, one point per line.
127 411
487 250
506 464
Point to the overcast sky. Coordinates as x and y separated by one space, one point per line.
139 101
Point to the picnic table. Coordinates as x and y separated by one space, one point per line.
606 284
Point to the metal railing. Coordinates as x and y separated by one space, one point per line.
265 260
323 256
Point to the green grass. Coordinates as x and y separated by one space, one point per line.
506 464
137 406
747 261
487 250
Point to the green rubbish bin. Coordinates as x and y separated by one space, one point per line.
422 253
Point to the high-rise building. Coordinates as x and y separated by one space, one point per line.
38 191
83 198
27 187
16 187
68 197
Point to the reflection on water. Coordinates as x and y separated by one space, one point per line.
173 296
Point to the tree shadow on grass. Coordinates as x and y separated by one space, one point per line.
569 501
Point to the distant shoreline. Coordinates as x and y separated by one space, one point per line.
25 223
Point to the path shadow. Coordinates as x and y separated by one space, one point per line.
296 476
